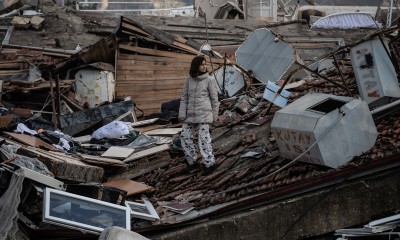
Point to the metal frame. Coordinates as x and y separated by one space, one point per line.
152 214
74 224
41 178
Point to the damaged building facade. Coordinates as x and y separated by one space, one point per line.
307 138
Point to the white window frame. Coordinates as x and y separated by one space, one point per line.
152 214
77 225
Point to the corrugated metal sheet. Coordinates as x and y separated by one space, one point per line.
266 55
347 20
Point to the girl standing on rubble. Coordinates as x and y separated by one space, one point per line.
198 108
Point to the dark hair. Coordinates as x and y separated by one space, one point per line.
194 66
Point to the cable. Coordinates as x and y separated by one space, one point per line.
280 169
313 205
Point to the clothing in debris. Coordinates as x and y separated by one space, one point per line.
198 108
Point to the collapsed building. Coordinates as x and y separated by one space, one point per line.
308 129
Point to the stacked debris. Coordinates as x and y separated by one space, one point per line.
82 160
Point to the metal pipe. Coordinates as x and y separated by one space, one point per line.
69 52
389 16
380 109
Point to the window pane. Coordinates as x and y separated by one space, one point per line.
84 212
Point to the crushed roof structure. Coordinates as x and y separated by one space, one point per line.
151 58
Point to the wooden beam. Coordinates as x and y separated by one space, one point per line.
153 58
135 29
152 63
140 67
154 52
149 72
142 79
146 152
66 168
97 160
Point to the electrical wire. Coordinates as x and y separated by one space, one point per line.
341 115
291 226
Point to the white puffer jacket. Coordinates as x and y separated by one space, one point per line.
199 101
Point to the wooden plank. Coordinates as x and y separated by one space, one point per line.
166 75
135 29
177 83
181 39
164 132
63 84
161 160
149 87
194 26
153 58
202 33
97 160
164 140
139 67
61 157
12 61
176 44
150 111
186 47
154 52
139 88
146 152
145 103
9 72
152 63
149 98
30 141
118 152
150 72
148 101
133 38
10 65
150 127
5 120
143 122
145 78
131 187
162 53
67 168
154 93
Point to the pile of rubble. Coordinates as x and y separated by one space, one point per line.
76 156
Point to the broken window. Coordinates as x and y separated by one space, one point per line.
327 106
78 212
143 210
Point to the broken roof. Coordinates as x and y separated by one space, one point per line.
239 179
